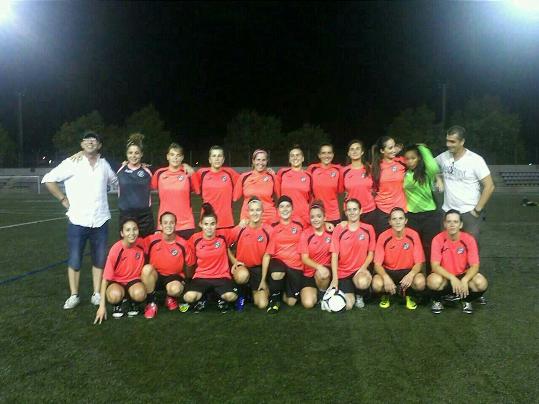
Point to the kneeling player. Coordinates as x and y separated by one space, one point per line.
314 246
212 272
121 276
167 253
455 265
251 242
352 250
398 259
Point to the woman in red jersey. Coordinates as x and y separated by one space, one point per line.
388 172
297 184
352 251
258 182
212 272
282 259
121 276
215 184
251 242
314 246
326 182
357 182
167 253
174 186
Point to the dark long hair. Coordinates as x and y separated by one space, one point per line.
207 211
420 172
375 160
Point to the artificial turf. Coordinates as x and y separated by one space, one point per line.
371 355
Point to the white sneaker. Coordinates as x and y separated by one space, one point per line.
96 299
360 303
72 302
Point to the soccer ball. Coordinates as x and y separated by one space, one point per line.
334 301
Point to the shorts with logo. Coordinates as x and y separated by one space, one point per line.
219 285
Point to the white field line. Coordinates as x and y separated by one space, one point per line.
10 226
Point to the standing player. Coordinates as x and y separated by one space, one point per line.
212 272
352 250
174 186
134 185
282 259
260 183
326 178
398 259
121 276
455 265
167 253
297 184
251 242
423 216
314 247
215 184
388 171
357 182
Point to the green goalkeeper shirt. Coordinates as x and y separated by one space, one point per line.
419 197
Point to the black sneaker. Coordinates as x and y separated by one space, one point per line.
481 300
200 306
117 311
273 307
223 306
451 298
134 309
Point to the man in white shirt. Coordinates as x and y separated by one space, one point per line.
85 181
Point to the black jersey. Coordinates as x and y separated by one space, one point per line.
134 188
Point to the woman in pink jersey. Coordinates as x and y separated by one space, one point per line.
388 170
258 182
297 183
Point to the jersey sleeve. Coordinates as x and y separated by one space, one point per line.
270 248
195 181
108 271
60 173
431 166
238 188
419 253
155 179
372 239
379 252
335 239
303 245
277 180
473 251
340 184
481 168
436 250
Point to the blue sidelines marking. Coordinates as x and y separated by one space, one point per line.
35 271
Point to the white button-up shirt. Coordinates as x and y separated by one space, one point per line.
85 188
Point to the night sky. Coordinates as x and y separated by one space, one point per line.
349 67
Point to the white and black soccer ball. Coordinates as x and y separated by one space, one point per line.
334 301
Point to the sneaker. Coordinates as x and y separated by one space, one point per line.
436 307
95 299
223 306
240 303
72 302
184 307
481 300
360 303
384 302
410 303
134 309
467 307
150 311
117 311
171 303
200 306
273 307
451 298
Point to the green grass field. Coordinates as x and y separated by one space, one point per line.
53 355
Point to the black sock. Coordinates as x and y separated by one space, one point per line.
275 286
473 296
151 297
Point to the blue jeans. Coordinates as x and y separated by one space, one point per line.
76 241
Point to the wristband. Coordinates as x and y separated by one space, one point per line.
478 212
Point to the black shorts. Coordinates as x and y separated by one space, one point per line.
127 285
164 280
293 277
144 218
219 285
396 275
448 289
346 285
186 233
309 282
255 276
377 219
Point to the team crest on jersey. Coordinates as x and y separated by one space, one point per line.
224 178
303 179
217 244
405 246
260 239
327 240
460 250
128 171
174 252
333 174
265 179
294 230
140 174
137 255
181 177
361 236
394 169
363 175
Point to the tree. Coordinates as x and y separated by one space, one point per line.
309 138
416 126
67 139
491 130
249 131
8 149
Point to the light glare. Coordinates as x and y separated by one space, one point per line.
6 11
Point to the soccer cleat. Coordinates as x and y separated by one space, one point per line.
150 311
436 307
410 303
171 303
240 303
200 306
451 298
467 307
134 309
95 299
72 302
117 311
481 300
385 302
223 306
273 307
360 303
184 307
